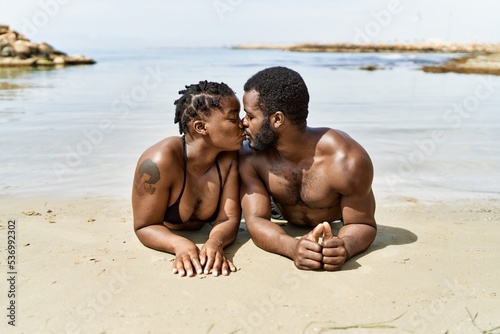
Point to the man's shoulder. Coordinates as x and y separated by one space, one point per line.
344 155
337 142
349 159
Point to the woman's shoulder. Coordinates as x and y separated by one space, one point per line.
164 152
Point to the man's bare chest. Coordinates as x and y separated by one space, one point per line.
298 186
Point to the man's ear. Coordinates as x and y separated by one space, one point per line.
199 126
277 119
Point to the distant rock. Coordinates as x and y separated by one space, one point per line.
17 50
472 64
429 47
482 58
370 67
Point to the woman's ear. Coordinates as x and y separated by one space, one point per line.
277 119
199 126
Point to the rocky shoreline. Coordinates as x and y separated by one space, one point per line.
472 64
17 50
480 59
383 47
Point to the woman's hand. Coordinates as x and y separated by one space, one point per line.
187 259
213 259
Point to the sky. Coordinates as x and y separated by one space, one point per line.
127 24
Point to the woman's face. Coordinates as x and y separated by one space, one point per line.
225 126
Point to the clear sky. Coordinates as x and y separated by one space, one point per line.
92 24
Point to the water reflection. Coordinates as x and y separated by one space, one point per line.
14 72
9 81
15 79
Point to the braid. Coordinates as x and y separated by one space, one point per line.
199 100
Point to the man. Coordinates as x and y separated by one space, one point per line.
313 175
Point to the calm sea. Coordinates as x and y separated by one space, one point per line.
78 131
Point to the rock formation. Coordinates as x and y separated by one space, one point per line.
430 47
472 64
17 50
480 58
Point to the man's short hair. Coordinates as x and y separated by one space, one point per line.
281 89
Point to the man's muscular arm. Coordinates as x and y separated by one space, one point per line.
358 213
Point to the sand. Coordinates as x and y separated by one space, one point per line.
81 269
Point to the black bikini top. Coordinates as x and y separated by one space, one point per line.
172 214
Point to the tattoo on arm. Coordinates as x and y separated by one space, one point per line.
147 175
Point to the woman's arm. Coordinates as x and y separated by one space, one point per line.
226 225
150 195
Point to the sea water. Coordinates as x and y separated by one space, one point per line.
78 131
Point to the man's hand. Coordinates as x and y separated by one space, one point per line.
334 251
307 252
213 259
186 259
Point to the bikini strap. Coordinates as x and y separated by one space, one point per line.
220 176
185 168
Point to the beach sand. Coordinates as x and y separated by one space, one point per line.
81 269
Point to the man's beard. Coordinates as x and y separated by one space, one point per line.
265 139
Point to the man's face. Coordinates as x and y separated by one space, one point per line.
259 133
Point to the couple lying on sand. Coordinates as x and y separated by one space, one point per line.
312 176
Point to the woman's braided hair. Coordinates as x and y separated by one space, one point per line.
198 100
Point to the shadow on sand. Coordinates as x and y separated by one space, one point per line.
386 236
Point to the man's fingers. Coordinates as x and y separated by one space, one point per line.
308 264
308 245
327 231
333 242
334 254
332 267
315 233
310 250
335 261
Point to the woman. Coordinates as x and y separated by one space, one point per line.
181 183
